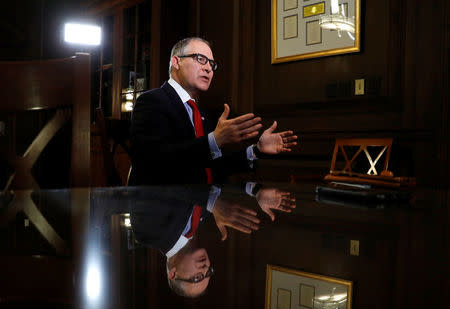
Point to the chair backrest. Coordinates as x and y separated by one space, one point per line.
60 86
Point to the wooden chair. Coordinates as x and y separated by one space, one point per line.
60 90
62 85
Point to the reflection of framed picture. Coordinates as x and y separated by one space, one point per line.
310 33
305 290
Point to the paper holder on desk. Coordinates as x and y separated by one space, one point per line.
381 147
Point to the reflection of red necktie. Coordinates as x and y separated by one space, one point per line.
199 132
196 214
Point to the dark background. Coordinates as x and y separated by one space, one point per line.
403 59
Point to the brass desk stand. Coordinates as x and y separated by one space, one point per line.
372 177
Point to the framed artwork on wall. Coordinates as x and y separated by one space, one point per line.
290 288
303 29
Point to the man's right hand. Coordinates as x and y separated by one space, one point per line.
272 198
231 131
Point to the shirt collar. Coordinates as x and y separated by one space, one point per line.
184 96
182 241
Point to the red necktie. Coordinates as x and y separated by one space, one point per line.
196 214
199 132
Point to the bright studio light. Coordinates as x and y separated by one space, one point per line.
82 34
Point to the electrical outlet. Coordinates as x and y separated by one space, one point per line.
359 86
354 247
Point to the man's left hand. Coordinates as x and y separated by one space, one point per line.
235 216
274 143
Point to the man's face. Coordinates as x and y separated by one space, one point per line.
191 264
193 76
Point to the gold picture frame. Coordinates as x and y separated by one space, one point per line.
306 290
311 41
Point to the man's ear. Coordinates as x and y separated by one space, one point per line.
172 273
175 62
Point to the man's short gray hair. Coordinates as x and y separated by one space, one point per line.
178 286
180 47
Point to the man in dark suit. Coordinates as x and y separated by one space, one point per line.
173 142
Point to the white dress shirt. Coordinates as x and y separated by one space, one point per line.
214 149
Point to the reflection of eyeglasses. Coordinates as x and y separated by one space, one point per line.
202 59
199 277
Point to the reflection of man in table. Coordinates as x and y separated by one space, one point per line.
175 234
189 270
168 218
169 223
188 266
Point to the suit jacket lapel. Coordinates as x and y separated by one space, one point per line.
178 106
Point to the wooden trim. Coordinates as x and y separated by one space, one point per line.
155 43
396 47
247 60
409 59
81 130
117 63
444 146
105 7
197 20
235 76
136 47
242 56
100 84
194 27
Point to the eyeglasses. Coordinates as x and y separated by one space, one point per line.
202 59
199 277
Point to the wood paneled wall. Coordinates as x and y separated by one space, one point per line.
404 59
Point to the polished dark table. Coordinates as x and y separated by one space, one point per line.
102 247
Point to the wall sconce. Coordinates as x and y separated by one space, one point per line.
126 220
127 106
127 97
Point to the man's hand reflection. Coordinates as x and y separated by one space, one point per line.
230 214
272 198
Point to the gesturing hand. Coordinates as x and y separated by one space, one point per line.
235 216
272 198
274 143
230 131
